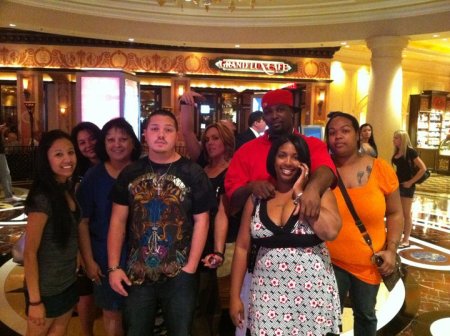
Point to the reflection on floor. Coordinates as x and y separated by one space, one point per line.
423 306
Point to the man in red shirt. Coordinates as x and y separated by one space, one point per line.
247 171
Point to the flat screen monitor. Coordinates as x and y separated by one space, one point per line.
316 131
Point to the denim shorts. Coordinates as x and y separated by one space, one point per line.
106 298
59 304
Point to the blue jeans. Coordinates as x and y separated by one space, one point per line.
363 297
177 297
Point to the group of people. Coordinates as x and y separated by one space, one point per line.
152 230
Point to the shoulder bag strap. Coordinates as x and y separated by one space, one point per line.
351 208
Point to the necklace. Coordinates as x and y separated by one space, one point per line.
161 179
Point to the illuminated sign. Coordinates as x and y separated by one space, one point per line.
255 66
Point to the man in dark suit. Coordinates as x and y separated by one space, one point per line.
256 126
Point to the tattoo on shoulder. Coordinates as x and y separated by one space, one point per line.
359 176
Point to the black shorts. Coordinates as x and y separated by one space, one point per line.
407 192
59 304
84 284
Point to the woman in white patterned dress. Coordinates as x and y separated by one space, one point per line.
293 290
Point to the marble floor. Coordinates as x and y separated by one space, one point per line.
420 305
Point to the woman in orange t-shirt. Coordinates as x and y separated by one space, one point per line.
373 189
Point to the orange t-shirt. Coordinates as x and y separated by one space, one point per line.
349 251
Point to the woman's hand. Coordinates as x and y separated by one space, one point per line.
212 260
388 265
190 97
299 186
236 310
407 184
94 272
36 314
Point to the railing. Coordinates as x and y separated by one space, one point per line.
21 162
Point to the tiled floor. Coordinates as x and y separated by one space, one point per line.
426 265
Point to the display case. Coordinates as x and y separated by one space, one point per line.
443 166
429 124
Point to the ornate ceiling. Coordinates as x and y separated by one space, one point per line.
270 24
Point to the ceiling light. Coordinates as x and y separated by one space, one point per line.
207 3
343 43
12 24
131 39
435 35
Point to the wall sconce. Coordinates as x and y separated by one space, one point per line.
320 101
29 105
62 110
180 90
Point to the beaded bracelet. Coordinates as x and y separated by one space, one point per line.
112 269
219 254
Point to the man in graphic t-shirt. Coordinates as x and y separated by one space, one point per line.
161 204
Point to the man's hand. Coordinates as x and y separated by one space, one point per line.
116 278
262 189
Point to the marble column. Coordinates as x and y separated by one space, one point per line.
384 105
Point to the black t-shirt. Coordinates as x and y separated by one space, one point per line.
162 199
404 165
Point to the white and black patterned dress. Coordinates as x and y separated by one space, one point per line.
293 290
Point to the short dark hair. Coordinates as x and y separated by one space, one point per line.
254 117
161 112
94 130
123 125
300 146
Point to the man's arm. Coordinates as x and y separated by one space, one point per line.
322 178
116 237
201 224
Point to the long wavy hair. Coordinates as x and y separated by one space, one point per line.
406 142
44 182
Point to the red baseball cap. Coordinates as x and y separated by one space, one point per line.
277 97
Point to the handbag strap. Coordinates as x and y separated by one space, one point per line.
351 208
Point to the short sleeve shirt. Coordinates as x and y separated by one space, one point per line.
162 199
57 264
403 165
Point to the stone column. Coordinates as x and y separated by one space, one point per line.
384 105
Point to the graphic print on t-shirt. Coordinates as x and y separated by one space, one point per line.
159 238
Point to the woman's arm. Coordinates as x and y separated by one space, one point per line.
193 146
220 236
329 223
422 168
35 228
394 225
239 265
93 271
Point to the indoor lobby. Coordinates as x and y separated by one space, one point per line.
417 306
385 61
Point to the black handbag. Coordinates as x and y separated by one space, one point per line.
414 169
389 280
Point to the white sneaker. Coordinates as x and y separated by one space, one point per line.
13 198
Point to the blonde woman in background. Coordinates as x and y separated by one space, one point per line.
405 157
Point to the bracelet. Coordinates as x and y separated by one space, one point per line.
114 268
297 198
37 303
219 254
182 102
